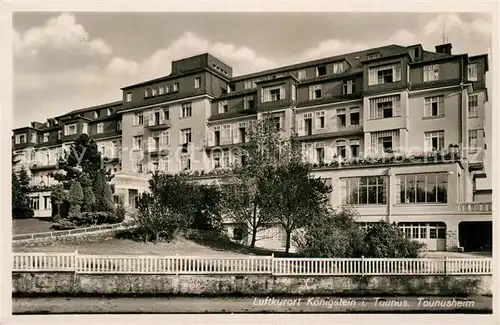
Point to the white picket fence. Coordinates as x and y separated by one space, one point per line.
72 232
98 264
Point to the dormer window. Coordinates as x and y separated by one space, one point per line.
154 92
373 56
321 71
338 67
146 92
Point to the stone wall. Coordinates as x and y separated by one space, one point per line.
69 283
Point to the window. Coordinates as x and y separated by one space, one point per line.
301 74
341 118
372 56
167 89
348 87
97 114
249 102
226 132
161 90
137 168
186 136
242 132
166 113
146 92
415 52
270 94
320 152
338 67
138 118
473 106
46 137
434 106
315 92
21 138
239 232
320 120
321 71
354 148
431 72
197 82
128 97
386 141
341 148
473 141
472 72
47 203
249 84
137 143
175 87
384 74
118 125
363 190
154 92
109 111
434 141
35 203
385 107
186 110
70 129
100 127
423 188
223 107
216 160
354 115
185 161
59 135
277 123
225 159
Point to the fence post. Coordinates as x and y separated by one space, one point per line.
75 261
272 264
446 265
362 265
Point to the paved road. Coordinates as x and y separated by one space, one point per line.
61 305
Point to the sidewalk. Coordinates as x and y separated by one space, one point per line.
166 305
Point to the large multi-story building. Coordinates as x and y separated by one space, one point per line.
356 114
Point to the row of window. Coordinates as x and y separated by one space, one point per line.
413 188
69 129
35 203
159 115
160 140
162 90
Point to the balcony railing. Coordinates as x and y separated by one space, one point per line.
475 207
162 124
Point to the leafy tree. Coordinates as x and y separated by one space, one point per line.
207 215
155 220
83 156
242 188
292 197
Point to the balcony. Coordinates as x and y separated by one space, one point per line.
476 160
158 125
338 131
475 207
39 166
222 143
156 150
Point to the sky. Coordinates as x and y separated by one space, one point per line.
65 61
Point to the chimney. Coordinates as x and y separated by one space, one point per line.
444 48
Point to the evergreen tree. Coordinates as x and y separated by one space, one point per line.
82 157
89 199
24 180
20 201
75 202
107 203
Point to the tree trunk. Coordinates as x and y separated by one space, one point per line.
287 245
254 228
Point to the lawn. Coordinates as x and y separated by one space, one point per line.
28 226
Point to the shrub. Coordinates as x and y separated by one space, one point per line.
337 234
89 199
383 239
120 212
